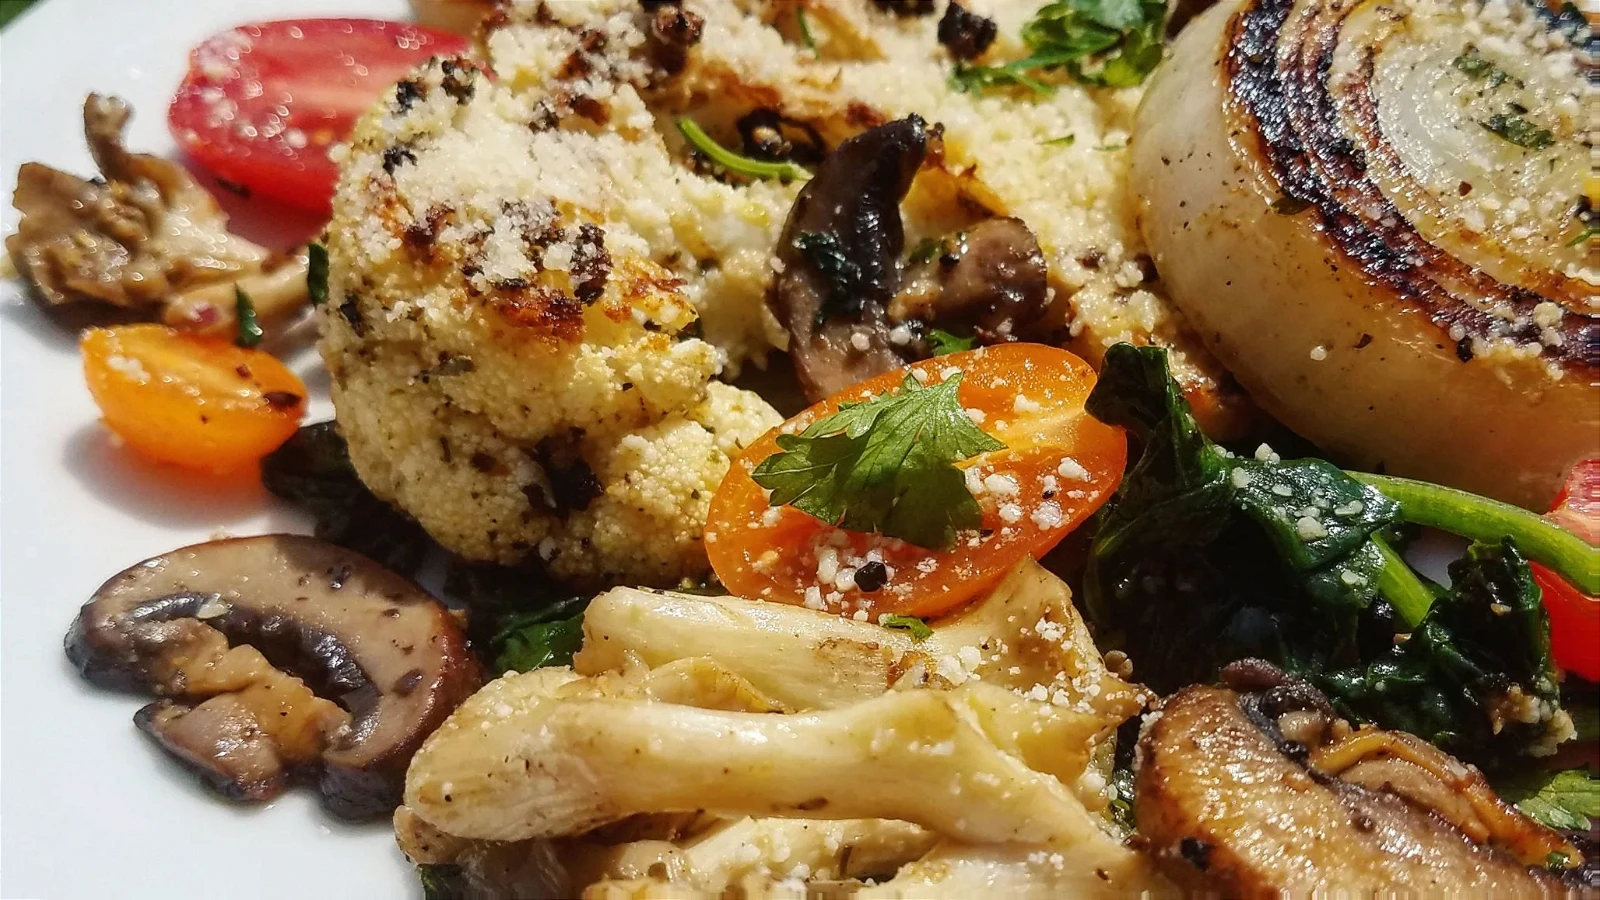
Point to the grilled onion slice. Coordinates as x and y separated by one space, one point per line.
1376 215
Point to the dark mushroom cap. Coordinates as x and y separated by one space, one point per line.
840 252
216 627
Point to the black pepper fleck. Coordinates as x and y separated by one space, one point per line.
872 576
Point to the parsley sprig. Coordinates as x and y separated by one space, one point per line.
1104 43
885 465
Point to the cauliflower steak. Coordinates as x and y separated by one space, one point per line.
508 365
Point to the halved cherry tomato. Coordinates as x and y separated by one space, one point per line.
1574 616
200 402
262 103
1059 465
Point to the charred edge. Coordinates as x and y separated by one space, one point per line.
1312 164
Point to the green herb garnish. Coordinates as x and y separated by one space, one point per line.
1514 128
1105 43
733 162
317 273
1066 140
943 343
1111 148
884 465
250 333
1473 64
1563 800
845 292
1586 235
442 882
917 628
805 29
543 637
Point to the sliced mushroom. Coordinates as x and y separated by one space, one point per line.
843 288
991 281
840 257
240 636
144 235
1229 805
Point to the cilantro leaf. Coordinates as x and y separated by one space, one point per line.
884 465
1106 43
943 343
317 273
1562 800
917 628
250 333
543 637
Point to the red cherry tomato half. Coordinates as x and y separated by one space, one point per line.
262 103
1574 616
1574 624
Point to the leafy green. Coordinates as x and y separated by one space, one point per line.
250 333
317 273
943 343
884 465
1515 128
733 162
1066 140
312 470
1204 557
1589 232
917 628
10 9
1481 647
539 638
441 882
1105 43
1563 800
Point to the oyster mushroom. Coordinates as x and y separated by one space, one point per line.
1230 803
143 236
843 289
279 653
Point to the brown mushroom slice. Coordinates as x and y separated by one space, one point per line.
839 258
233 619
990 280
1227 805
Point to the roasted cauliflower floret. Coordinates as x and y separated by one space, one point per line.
508 365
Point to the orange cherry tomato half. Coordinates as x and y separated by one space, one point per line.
1574 615
1058 466
196 401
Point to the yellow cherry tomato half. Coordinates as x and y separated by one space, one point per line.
1058 466
199 402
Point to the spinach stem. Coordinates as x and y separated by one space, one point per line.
733 162
1481 519
1399 585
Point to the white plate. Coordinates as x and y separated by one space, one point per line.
89 808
